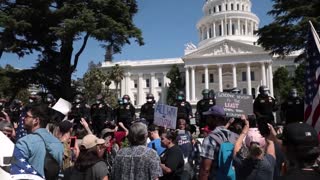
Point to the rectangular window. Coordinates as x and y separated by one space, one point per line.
203 78
214 9
135 99
238 7
147 83
226 7
244 76
231 7
135 83
159 83
252 76
220 30
211 78
219 8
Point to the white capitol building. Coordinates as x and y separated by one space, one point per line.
227 56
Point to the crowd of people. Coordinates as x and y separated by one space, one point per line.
99 142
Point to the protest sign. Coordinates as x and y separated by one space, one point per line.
235 104
165 116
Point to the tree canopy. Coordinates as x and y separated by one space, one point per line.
50 28
289 29
175 84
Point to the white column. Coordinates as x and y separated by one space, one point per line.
239 28
252 29
234 75
222 28
263 73
152 84
193 82
214 29
230 26
249 78
271 78
206 77
220 77
140 89
127 79
246 28
164 88
187 83
268 77
208 32
122 87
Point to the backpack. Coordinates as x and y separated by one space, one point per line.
51 165
224 158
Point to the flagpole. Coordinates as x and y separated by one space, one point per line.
315 35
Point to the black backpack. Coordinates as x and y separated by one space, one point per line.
51 165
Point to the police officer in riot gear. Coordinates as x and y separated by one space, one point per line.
147 109
203 105
16 108
125 113
264 105
101 113
50 100
292 110
79 110
34 98
184 107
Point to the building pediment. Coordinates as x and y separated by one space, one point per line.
225 48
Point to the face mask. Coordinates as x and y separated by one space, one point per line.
98 102
30 100
149 100
77 100
125 101
294 94
49 100
180 98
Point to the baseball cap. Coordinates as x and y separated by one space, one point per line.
215 111
300 134
90 140
205 129
254 136
65 126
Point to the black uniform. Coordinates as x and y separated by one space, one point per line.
147 112
264 106
100 113
125 113
184 110
202 106
292 110
78 111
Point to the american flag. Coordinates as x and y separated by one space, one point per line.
21 132
21 169
312 90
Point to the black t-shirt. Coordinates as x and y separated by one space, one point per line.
173 159
249 169
297 174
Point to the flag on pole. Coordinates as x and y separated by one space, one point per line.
312 80
20 131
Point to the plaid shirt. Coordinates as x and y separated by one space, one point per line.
209 145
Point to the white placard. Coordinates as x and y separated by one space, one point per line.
165 116
62 106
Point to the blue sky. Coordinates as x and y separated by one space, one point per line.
166 26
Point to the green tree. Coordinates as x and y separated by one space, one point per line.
175 84
289 29
282 83
117 74
50 29
93 82
299 78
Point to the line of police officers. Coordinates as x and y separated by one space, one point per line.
100 114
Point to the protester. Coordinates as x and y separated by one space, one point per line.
90 164
137 161
172 162
260 162
216 120
7 129
155 139
111 146
39 142
301 145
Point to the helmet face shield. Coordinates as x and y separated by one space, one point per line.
293 93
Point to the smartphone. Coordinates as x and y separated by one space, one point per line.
263 128
73 140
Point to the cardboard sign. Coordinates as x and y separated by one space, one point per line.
235 104
165 116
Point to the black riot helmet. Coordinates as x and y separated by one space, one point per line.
180 96
99 99
293 93
78 99
212 94
264 90
236 91
125 99
49 99
205 93
150 98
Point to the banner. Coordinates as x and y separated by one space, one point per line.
165 116
235 104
